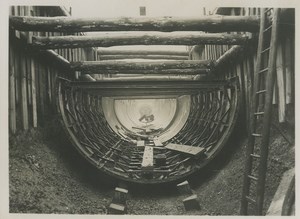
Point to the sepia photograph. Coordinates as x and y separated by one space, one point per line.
150 108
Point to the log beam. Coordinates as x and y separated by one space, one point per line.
98 66
60 59
147 88
216 23
140 38
228 57
150 71
109 51
118 57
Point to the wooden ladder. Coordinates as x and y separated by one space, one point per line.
258 137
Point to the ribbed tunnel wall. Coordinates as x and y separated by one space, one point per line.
169 115
95 123
210 119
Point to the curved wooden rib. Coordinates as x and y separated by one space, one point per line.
213 113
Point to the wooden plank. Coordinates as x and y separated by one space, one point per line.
54 75
28 77
187 149
96 66
24 105
147 162
247 84
137 38
216 23
41 83
140 143
141 51
288 70
33 93
157 142
12 93
113 57
49 72
280 69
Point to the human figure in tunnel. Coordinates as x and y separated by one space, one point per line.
147 118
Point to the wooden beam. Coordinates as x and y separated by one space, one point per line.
191 150
147 162
60 59
33 94
138 38
229 56
140 143
163 57
12 91
147 51
288 69
202 71
24 101
148 87
214 23
281 73
97 66
157 142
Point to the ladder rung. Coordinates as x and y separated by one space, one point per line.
265 50
263 70
253 177
259 113
261 91
255 155
268 28
250 199
256 135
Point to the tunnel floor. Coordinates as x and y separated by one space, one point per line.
48 176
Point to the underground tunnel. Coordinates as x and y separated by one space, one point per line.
136 129
153 100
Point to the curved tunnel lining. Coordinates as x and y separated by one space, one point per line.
83 118
173 124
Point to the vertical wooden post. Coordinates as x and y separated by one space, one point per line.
12 93
27 12
23 70
17 74
48 69
280 69
24 91
288 70
248 89
33 93
53 84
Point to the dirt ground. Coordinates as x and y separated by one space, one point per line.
47 175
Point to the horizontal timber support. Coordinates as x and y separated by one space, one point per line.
98 66
138 38
117 57
192 71
171 52
216 23
148 88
